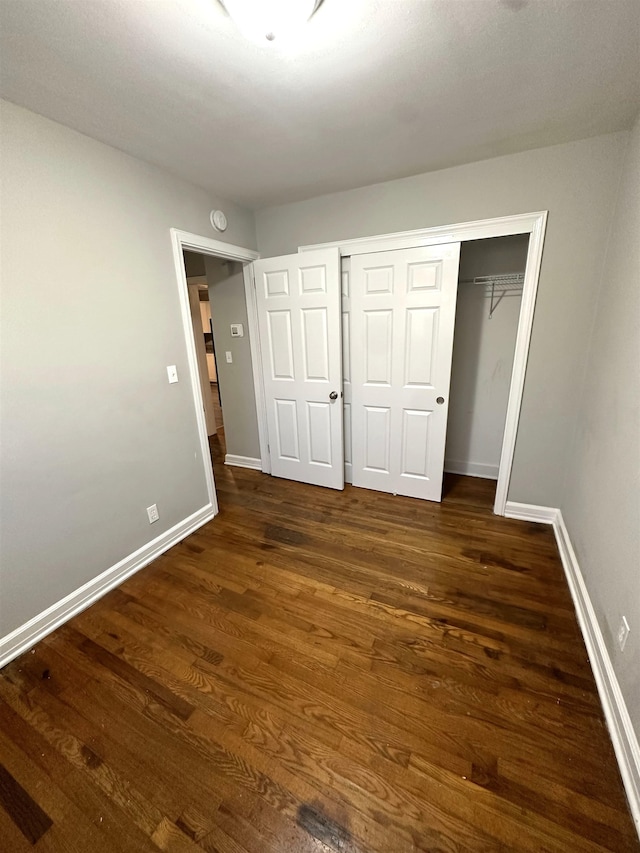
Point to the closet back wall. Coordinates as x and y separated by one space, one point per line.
483 351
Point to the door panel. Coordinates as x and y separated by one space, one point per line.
377 421
315 344
280 344
319 421
401 319
377 346
421 335
415 441
299 317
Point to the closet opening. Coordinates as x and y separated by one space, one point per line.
490 282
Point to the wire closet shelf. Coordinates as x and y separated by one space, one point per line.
498 286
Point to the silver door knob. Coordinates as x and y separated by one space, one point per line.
333 395
439 400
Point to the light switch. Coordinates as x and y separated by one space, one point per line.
172 373
229 357
237 330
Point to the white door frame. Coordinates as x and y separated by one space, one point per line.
183 240
533 224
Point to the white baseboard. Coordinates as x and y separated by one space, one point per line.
35 629
623 736
243 461
531 512
472 469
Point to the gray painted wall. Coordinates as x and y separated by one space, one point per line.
193 264
577 184
228 305
92 433
601 498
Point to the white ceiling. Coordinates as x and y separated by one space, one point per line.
371 90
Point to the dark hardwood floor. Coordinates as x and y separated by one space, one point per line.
319 672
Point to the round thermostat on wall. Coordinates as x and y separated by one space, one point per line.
218 220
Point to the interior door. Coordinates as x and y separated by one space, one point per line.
402 317
298 302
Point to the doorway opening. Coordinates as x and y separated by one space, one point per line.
204 338
213 289
221 336
490 284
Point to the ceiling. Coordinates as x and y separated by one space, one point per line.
371 90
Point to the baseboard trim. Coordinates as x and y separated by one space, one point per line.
243 461
472 469
27 635
531 512
623 736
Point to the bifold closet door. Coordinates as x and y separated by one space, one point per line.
402 315
298 302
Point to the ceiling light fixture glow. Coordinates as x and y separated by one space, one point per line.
270 19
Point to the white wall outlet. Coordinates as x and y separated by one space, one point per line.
152 512
229 357
623 633
172 373
237 331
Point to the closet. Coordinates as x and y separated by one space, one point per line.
490 281
364 397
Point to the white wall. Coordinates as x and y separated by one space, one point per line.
92 433
235 380
482 357
576 182
601 498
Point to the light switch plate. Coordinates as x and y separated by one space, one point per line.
237 330
172 373
229 357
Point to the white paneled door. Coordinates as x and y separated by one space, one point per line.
402 315
298 302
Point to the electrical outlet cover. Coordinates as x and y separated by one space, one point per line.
152 512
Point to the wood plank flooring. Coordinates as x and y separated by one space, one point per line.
319 672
